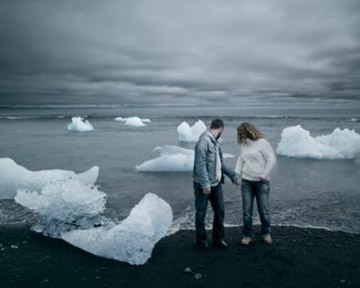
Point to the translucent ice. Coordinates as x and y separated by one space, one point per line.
133 121
340 144
14 177
172 158
134 238
190 134
63 205
78 124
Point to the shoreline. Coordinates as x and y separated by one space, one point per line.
299 257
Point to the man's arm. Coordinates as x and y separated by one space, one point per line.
227 171
200 164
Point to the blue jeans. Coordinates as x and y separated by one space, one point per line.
259 190
217 204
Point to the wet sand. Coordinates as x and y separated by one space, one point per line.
299 257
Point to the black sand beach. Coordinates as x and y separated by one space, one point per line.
299 257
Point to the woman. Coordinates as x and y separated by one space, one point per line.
254 165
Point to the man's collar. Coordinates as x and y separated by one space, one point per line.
212 137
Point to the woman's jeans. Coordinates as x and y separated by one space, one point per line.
259 190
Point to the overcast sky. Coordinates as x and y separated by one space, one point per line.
181 52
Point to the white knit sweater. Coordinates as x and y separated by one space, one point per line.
256 160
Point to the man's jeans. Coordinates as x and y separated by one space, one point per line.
260 190
217 203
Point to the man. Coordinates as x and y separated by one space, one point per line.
208 176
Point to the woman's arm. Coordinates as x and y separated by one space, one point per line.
239 165
270 158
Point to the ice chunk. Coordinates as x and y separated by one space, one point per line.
354 120
63 200
78 124
14 177
340 144
63 205
172 158
133 121
145 120
132 240
190 134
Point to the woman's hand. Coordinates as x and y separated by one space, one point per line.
262 177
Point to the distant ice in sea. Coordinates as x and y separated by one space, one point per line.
340 144
14 177
134 238
354 120
78 124
187 133
171 159
133 121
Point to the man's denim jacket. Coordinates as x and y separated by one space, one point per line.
205 162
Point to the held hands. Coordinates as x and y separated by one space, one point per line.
262 177
237 181
207 190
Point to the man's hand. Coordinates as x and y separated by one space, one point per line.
237 182
207 190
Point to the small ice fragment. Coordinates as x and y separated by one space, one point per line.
78 124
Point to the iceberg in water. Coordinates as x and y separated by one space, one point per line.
133 121
190 134
78 124
14 177
340 144
63 205
171 159
133 239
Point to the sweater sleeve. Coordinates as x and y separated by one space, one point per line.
269 156
239 165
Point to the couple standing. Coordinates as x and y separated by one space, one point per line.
252 172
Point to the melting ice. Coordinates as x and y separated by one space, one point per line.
133 121
78 124
340 144
187 133
134 238
14 177
71 210
171 158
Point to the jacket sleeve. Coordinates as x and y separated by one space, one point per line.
227 171
200 163
269 156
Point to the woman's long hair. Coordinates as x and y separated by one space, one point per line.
247 131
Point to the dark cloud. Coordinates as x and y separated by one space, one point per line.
106 52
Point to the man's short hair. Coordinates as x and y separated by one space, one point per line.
217 123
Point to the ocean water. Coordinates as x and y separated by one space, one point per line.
321 193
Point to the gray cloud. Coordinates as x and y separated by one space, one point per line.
162 51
